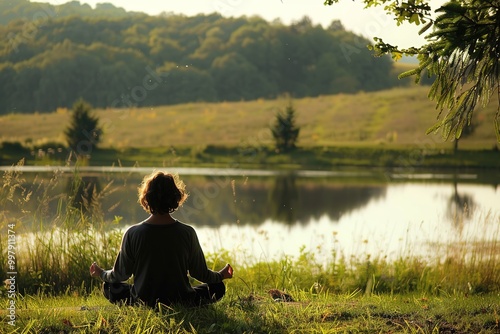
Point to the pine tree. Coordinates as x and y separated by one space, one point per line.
285 132
83 133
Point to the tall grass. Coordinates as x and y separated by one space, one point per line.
55 259
54 249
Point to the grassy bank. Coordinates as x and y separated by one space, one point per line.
405 158
244 312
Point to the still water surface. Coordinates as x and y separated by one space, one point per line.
265 215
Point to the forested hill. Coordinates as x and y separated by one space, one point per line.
48 61
11 10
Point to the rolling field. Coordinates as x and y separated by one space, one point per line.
396 117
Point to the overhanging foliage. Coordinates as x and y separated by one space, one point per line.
462 53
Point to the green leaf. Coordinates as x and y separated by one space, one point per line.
409 73
458 132
396 55
425 28
497 125
415 18
434 128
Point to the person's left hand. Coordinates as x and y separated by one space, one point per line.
95 270
227 271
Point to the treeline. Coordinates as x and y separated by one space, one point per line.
49 61
11 10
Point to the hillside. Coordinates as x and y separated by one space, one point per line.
392 117
50 60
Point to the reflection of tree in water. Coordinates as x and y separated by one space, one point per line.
283 199
460 207
337 200
300 203
286 199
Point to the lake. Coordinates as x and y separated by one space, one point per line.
264 214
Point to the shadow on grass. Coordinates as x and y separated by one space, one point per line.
233 315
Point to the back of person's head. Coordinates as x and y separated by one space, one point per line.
162 193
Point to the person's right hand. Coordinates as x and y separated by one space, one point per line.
227 271
95 270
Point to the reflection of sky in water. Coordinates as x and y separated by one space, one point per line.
403 222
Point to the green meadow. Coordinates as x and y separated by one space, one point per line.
397 116
386 128
251 313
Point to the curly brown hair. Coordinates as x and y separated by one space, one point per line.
162 193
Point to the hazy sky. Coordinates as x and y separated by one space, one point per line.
368 23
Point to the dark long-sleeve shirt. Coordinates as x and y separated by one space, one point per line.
160 258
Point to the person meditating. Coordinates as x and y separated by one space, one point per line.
159 253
